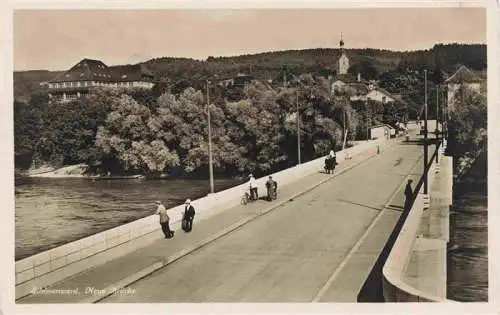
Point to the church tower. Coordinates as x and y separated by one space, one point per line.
343 60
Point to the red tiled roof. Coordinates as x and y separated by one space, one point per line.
463 75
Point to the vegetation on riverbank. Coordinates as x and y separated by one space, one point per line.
130 131
467 128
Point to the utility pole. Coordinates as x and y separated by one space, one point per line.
298 126
344 118
210 166
425 138
444 118
437 123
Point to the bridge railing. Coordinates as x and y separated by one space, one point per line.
58 263
394 287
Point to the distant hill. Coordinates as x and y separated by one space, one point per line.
28 82
272 65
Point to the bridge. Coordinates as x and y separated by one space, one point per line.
343 237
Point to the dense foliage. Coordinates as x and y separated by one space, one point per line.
468 123
131 130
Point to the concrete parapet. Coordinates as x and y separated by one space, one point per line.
415 270
51 266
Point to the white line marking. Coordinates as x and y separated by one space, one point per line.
332 278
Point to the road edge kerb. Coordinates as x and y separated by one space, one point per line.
168 260
317 298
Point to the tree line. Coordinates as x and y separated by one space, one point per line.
151 132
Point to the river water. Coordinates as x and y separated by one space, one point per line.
468 263
52 212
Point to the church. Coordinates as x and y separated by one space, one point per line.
357 89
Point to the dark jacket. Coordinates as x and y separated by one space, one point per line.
271 183
189 212
408 191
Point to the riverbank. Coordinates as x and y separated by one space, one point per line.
73 171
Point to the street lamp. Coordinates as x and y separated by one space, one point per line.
298 126
425 137
210 165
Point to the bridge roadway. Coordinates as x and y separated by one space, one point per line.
319 247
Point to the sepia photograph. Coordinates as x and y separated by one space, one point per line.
250 155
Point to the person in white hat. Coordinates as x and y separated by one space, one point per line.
254 193
188 217
164 220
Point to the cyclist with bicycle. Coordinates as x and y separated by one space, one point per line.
254 194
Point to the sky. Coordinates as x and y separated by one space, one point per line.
58 39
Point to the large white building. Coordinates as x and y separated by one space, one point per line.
89 73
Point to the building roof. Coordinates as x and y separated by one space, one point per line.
382 125
346 78
463 75
96 70
130 73
356 88
383 91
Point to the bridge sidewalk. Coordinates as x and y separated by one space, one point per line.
427 267
98 282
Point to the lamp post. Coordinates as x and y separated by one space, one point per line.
298 126
210 166
425 137
437 123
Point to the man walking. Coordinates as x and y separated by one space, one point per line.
164 220
272 188
408 195
189 213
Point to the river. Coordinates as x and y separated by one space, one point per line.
52 212
468 262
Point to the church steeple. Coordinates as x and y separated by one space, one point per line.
343 60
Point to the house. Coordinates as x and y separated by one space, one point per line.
378 94
382 131
462 80
89 73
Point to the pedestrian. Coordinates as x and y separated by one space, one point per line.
272 188
408 195
253 188
188 217
164 220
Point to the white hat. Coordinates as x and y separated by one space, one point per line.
188 200
158 202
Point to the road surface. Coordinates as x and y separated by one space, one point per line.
292 253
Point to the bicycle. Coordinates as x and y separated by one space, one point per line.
273 194
246 198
